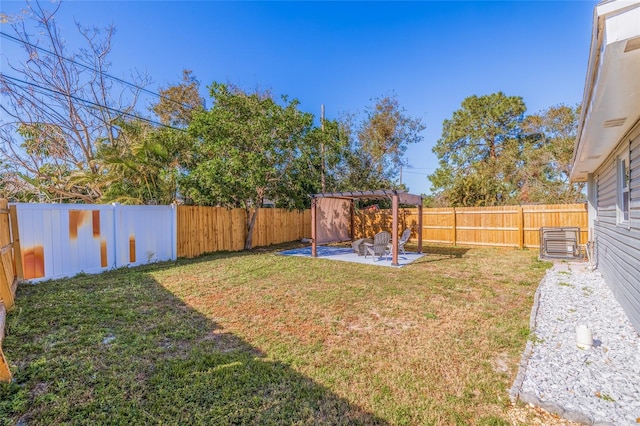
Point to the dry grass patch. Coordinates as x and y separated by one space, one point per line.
264 338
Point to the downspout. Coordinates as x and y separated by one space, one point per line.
592 208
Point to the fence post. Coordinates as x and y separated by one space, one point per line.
520 227
5 373
174 231
15 237
455 227
7 275
7 281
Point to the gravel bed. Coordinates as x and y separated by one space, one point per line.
600 385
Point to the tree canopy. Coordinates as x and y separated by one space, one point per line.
142 167
473 148
490 153
248 149
547 148
179 102
376 145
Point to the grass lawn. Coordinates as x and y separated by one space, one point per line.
259 338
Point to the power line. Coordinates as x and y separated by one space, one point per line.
87 67
85 101
417 173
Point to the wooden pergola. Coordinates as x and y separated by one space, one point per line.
396 197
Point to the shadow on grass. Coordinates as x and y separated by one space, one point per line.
440 252
443 251
206 257
119 348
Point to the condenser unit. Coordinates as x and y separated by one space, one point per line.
560 243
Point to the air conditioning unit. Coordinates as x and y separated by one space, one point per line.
560 243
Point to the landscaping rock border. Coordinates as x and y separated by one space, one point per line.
597 386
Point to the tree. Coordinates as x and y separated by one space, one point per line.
58 104
547 152
474 143
13 188
179 102
357 169
142 167
326 143
491 154
377 145
387 132
248 150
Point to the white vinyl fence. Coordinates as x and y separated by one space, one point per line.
62 240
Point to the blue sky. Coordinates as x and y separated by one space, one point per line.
432 55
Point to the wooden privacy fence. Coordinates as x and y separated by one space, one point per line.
8 278
209 229
275 226
508 226
102 237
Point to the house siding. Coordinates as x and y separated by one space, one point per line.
617 247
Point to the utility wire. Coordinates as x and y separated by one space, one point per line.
417 173
87 102
87 67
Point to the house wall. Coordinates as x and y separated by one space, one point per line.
617 247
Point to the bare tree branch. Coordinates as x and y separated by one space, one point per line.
58 104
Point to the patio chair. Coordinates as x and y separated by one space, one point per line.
403 240
380 246
358 245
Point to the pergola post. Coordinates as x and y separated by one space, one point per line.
314 247
394 230
353 219
420 229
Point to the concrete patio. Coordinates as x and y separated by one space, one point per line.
346 254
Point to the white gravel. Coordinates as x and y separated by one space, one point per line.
600 385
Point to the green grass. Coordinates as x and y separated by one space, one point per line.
258 338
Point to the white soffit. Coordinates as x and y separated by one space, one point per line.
611 104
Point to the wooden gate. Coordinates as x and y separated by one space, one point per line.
8 277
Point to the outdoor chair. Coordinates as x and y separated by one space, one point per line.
358 245
380 246
403 240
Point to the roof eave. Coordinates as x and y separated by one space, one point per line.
612 92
